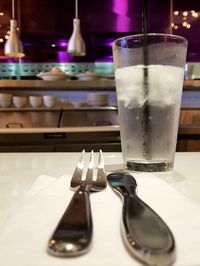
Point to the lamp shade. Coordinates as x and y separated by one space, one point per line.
76 44
13 46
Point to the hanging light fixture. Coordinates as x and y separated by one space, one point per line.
76 44
13 46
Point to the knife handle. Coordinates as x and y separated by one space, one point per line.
147 236
73 234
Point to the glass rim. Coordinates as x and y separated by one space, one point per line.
168 35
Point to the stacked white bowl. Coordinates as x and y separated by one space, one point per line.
20 101
49 100
5 100
35 101
95 99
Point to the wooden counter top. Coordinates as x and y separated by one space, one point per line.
103 84
192 84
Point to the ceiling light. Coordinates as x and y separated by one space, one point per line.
13 46
76 45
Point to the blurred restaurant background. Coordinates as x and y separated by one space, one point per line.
53 99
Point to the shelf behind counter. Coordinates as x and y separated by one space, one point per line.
51 137
77 90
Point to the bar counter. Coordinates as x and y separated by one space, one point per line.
34 192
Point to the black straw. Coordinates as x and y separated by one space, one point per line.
144 16
145 120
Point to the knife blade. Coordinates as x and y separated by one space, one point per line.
146 235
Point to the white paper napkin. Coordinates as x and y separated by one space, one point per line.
24 237
40 183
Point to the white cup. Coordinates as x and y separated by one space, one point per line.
49 100
35 101
5 100
20 101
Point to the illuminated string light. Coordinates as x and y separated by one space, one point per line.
176 13
184 18
195 14
184 24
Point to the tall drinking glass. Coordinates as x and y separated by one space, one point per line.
149 73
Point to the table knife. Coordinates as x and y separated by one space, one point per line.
146 235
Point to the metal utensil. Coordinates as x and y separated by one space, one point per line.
145 234
73 234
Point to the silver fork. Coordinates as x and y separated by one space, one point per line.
73 234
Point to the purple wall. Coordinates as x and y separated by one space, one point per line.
46 22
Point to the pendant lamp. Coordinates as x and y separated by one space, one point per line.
13 46
76 44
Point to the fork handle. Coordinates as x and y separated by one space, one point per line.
73 234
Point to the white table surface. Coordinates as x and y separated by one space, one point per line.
34 192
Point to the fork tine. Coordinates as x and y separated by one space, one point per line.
77 175
90 170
